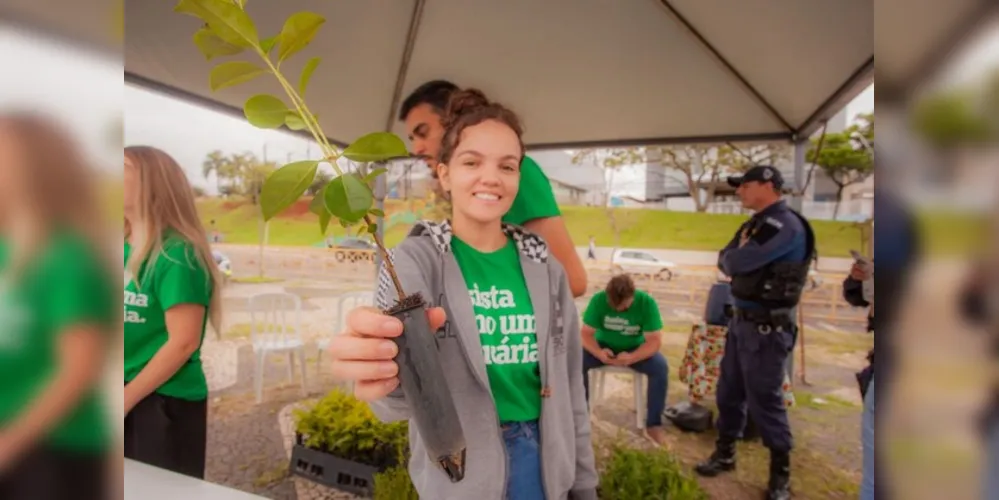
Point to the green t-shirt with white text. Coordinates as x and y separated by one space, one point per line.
504 316
623 331
535 198
64 285
177 277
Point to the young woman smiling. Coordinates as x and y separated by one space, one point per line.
511 349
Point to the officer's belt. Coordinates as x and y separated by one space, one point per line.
768 316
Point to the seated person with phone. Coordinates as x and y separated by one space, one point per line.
622 327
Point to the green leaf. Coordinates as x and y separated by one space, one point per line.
286 185
211 46
232 73
318 207
265 111
379 146
377 213
372 228
267 44
324 221
303 81
224 18
359 197
294 121
374 174
348 199
298 32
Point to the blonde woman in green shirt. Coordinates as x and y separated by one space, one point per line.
57 318
171 293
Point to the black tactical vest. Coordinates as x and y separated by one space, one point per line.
778 284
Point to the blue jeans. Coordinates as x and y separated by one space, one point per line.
990 488
867 438
523 461
655 368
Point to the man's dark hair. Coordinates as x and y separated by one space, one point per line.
619 289
436 93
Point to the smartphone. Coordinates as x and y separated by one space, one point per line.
857 256
868 290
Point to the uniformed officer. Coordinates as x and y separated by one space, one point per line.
768 261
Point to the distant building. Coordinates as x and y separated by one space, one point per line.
568 194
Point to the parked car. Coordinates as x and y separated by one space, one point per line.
342 248
224 265
640 262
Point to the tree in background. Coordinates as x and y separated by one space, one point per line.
216 163
865 127
238 174
610 161
843 160
703 166
950 120
742 157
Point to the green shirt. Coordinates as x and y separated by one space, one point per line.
177 278
535 198
63 286
505 319
623 331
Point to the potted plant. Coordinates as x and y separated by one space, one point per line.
630 473
340 443
395 484
229 31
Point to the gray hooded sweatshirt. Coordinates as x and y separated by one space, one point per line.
425 264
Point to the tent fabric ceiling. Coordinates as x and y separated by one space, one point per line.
579 72
70 20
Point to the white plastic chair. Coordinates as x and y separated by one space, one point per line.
346 302
275 328
641 382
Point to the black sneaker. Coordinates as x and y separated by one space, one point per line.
722 460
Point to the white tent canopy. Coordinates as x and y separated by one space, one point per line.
580 72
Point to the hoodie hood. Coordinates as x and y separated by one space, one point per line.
530 245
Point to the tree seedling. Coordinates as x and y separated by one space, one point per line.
228 31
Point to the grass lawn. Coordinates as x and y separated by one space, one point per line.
945 233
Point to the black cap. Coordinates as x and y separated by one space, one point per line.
761 173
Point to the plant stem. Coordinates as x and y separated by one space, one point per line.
388 263
310 121
331 155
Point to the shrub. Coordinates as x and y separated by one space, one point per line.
344 426
631 474
395 484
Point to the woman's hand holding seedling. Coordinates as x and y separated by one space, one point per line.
364 353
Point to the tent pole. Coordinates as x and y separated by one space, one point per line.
800 148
